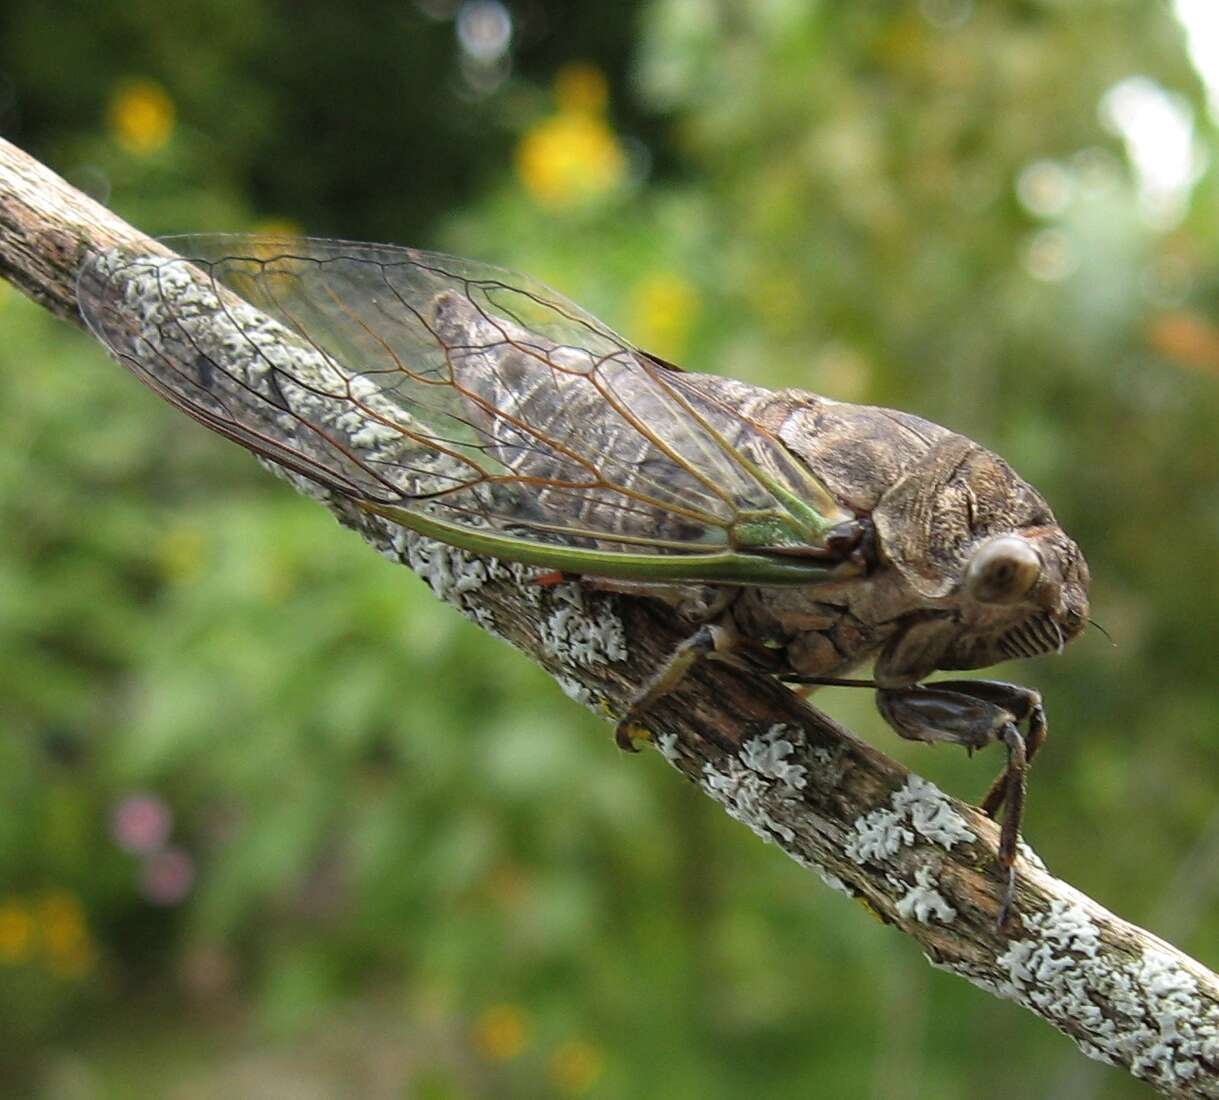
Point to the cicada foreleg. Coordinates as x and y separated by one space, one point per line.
975 713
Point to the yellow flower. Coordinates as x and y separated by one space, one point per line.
575 1067
69 948
74 960
572 158
581 87
16 933
663 308
501 1032
61 921
141 116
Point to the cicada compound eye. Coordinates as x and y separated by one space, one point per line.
1002 570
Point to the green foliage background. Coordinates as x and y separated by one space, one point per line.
418 869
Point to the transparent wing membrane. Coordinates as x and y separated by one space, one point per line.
472 404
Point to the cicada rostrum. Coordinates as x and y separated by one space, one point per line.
802 536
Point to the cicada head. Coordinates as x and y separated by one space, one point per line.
1021 594
990 573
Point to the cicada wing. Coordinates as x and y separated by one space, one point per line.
455 397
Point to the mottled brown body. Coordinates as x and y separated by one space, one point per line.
802 536
930 495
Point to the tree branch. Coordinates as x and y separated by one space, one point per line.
920 860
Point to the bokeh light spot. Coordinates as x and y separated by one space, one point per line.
141 823
16 932
484 29
946 15
581 87
575 1067
141 116
572 159
167 876
664 306
1050 256
1200 18
1044 188
64 934
1157 128
1187 339
501 1032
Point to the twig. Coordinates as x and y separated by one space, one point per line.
921 861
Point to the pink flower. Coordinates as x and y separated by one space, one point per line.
166 877
141 823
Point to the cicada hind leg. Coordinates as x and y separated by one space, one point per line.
715 638
717 641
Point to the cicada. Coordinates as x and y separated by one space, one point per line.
800 536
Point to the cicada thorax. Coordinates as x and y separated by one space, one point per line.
860 453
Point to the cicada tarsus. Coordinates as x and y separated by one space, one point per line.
801 536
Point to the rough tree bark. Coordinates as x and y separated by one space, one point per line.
921 861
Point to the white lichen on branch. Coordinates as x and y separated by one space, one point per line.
582 629
760 786
923 901
917 809
1142 1009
